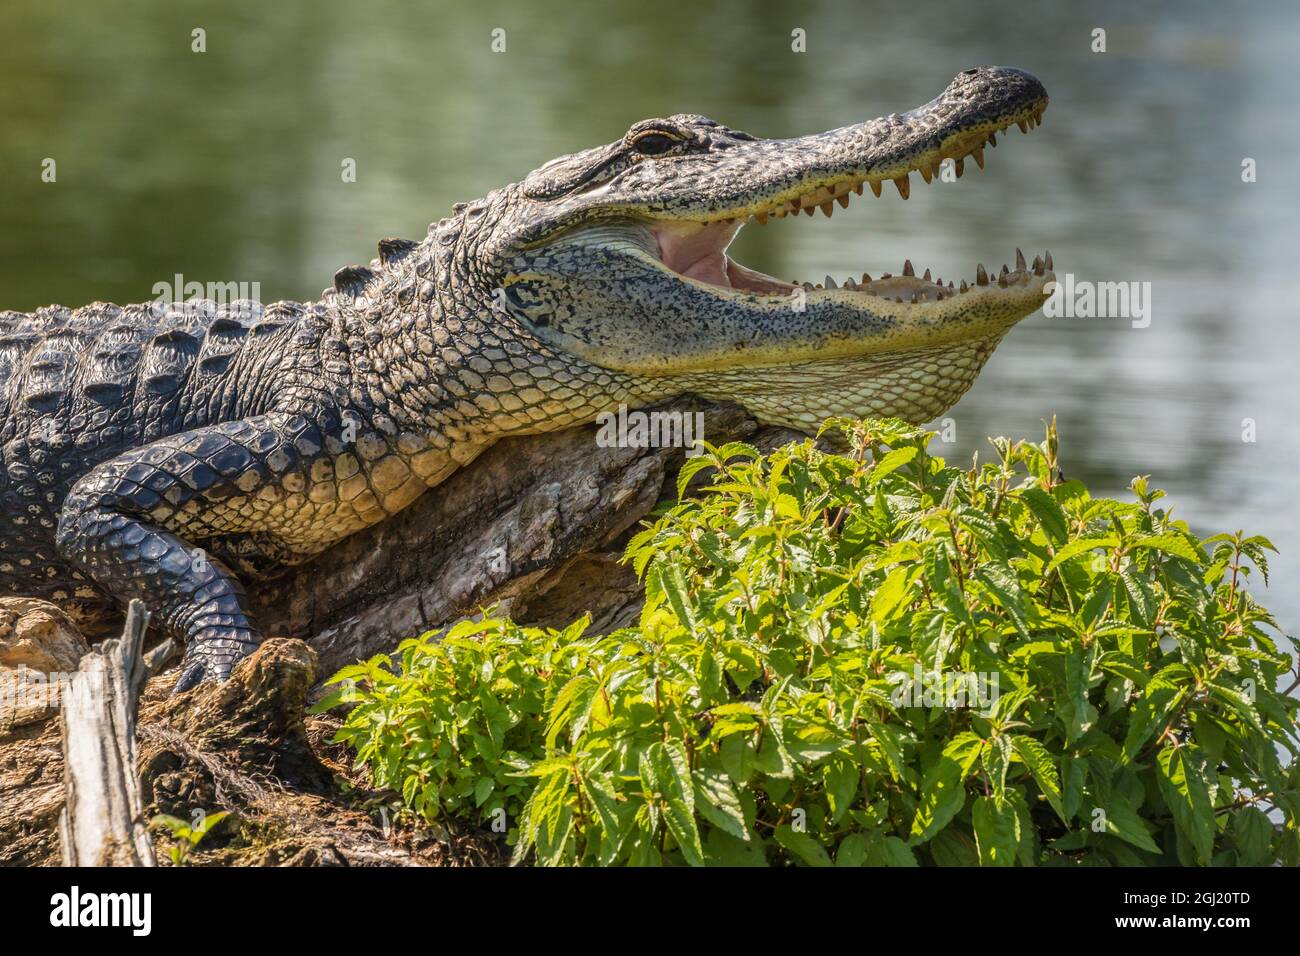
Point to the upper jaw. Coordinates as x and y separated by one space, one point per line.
776 177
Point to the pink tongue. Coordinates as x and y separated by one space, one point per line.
711 268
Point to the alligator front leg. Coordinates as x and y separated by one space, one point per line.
134 524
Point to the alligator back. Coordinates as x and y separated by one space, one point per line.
78 387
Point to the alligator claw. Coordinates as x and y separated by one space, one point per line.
211 659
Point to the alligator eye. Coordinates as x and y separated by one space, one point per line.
654 144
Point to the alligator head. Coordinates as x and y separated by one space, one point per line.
618 255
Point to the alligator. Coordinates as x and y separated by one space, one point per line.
172 451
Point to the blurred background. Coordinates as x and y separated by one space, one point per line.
225 166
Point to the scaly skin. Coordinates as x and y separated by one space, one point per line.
166 453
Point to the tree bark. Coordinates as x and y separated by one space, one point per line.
102 821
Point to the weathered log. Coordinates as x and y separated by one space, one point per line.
534 525
102 823
40 648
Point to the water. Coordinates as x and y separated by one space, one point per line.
225 166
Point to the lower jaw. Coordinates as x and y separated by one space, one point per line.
916 385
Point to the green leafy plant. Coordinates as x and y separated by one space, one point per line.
186 836
870 658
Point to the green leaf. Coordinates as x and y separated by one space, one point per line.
666 777
894 593
674 585
890 462
1122 820
1076 712
691 467
887 850
1182 775
952 847
1078 547
942 797
996 757
802 846
717 802
997 831
1174 544
1048 512
1138 588
1149 714
1004 586
841 779
1036 757
852 850
723 849
1239 702
1253 833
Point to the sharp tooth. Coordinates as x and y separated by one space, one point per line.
1024 127
904 185
830 283
810 209
993 139
1005 270
762 218
828 207
857 188
978 153
1047 259
1002 280
849 283
808 286
959 165
925 173
964 287
1020 260
875 187
866 277
843 201
934 168
949 285
907 268
886 275
1038 266
981 277
926 277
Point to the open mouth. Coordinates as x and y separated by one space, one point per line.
697 250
